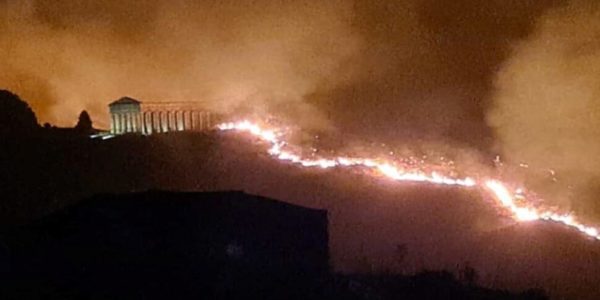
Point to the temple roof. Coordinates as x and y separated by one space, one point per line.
125 100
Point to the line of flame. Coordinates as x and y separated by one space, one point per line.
497 189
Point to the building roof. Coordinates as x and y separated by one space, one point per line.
173 241
125 100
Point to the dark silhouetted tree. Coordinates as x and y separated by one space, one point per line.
16 117
85 122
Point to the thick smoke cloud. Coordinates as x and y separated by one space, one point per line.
546 110
426 68
259 56
388 70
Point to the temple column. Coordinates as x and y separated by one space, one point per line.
124 130
112 123
120 123
140 123
202 120
116 124
137 124
132 117
133 122
174 120
192 126
182 119
153 122
192 120
142 126
129 122
160 122
147 123
167 121
126 123
169 125
149 129
195 119
186 120
116 121
156 121
123 123
181 122
144 120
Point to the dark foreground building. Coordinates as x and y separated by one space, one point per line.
162 245
229 245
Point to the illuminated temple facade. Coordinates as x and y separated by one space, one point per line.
128 115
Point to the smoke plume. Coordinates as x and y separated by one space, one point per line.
390 70
546 111
64 56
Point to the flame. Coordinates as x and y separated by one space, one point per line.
497 189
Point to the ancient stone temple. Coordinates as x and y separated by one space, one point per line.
132 116
125 115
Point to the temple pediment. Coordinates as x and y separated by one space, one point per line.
125 100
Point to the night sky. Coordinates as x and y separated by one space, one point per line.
390 68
